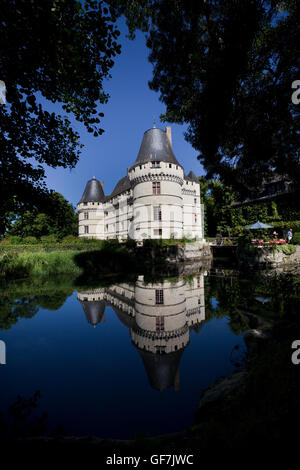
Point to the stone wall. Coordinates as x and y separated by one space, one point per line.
267 255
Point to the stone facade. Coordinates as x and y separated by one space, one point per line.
154 200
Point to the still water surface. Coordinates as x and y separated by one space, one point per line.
125 360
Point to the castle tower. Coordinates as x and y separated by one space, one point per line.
156 178
90 210
161 331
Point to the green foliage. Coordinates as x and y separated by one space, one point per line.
29 240
286 249
57 220
48 239
62 51
223 218
245 249
252 124
69 239
27 264
12 240
217 199
296 238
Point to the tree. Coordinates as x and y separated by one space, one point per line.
217 199
57 218
61 50
226 67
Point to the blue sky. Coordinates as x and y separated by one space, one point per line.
128 114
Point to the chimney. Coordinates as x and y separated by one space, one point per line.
101 182
169 134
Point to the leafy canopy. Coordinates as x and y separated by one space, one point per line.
225 67
58 218
61 50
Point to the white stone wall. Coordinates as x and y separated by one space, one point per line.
131 214
94 222
192 217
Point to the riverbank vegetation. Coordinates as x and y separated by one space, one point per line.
223 216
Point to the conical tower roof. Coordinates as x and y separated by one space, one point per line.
93 192
161 368
193 177
94 310
155 147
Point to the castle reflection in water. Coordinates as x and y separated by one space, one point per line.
159 317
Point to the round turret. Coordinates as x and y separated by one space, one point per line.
156 178
90 210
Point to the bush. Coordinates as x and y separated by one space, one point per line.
49 239
12 240
293 224
296 238
29 241
287 249
237 231
70 240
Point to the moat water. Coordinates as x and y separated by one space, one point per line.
124 359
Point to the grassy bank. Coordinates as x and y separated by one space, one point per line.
39 263
89 258
82 257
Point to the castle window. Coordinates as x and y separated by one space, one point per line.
157 212
156 187
157 231
106 227
160 323
86 229
155 164
140 167
170 165
159 296
86 215
196 217
195 201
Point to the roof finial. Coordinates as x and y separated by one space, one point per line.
154 126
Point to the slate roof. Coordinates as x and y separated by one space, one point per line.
122 185
161 368
93 192
155 147
191 177
94 310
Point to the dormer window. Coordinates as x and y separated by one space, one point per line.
155 164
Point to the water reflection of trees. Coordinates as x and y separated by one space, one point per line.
265 294
23 299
